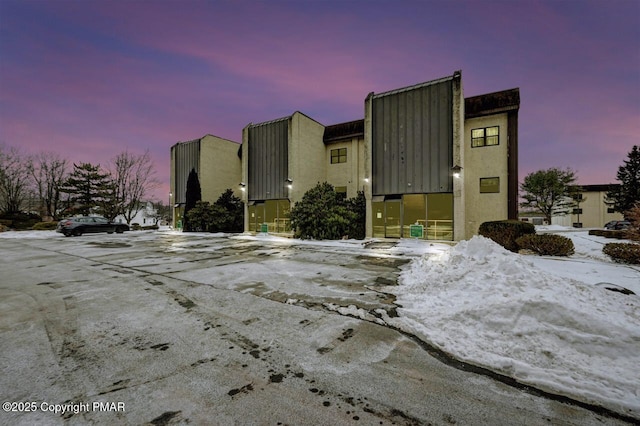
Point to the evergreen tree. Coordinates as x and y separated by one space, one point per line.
322 214
231 218
192 196
627 195
89 189
358 205
551 192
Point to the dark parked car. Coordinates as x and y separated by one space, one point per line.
89 224
618 224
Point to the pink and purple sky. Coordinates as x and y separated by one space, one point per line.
91 79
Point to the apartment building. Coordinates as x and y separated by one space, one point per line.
431 163
217 162
590 210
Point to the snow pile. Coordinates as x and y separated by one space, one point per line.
490 307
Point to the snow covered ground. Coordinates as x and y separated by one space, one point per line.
543 321
548 322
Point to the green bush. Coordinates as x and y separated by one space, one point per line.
45 226
609 233
322 214
20 221
506 232
547 244
623 252
225 215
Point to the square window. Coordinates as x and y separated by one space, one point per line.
486 136
339 155
489 185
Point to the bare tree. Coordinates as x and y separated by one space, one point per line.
134 177
14 179
49 172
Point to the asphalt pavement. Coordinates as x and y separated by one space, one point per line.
163 329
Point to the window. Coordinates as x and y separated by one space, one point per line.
338 155
489 185
486 136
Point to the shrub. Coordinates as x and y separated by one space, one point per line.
506 232
45 226
623 252
547 244
135 226
609 233
20 221
633 215
322 214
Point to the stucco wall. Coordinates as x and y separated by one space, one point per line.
220 167
594 212
351 173
484 162
306 155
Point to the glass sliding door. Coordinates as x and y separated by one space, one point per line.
284 214
377 210
440 217
414 211
393 223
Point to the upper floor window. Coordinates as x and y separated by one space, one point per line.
485 136
339 155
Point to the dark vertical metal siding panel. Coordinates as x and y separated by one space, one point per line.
425 127
268 160
411 143
434 136
418 143
377 149
393 143
402 142
447 161
413 140
186 158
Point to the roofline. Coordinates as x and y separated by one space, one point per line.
415 86
288 117
200 139
604 187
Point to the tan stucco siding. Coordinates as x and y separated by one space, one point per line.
594 212
351 173
485 162
220 167
306 155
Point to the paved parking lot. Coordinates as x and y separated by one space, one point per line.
165 328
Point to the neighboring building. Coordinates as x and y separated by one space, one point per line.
217 162
591 210
146 216
422 155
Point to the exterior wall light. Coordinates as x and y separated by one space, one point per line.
243 186
456 171
289 183
366 180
